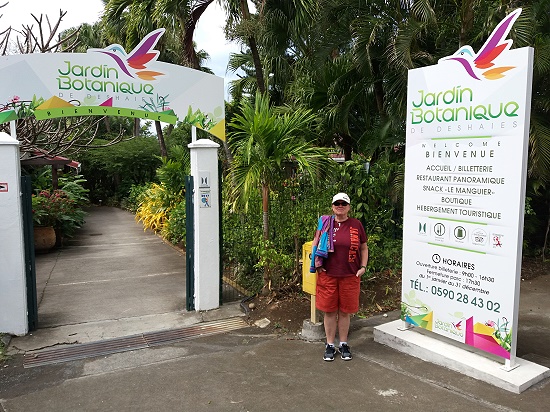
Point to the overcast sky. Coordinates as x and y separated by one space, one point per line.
208 35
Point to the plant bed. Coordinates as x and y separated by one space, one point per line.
286 313
380 293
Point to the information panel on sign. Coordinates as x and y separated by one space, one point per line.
464 200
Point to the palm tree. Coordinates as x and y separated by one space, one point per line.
271 38
264 142
239 17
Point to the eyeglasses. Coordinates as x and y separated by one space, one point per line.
340 203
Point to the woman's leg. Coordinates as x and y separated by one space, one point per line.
343 326
330 321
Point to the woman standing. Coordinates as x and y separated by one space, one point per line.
342 243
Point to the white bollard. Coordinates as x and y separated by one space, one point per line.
204 169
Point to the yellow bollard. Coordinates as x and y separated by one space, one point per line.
309 280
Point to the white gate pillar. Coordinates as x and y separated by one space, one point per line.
204 169
13 290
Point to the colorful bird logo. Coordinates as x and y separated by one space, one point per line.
132 63
477 64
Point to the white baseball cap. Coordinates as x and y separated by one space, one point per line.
340 196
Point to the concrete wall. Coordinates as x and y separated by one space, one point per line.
13 292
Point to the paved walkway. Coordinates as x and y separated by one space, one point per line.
113 279
242 370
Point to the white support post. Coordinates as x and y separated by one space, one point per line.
405 326
204 169
13 130
509 364
13 289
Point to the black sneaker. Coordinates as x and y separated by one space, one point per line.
346 352
330 351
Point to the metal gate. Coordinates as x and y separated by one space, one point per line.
189 245
28 239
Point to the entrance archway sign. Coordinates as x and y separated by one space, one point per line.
466 161
111 82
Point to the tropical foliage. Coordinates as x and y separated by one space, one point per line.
161 206
317 78
332 74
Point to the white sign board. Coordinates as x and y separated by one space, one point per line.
466 155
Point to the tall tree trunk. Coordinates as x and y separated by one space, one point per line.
467 21
378 86
228 153
344 141
137 127
107 123
160 137
254 50
545 245
190 25
265 209
257 64
170 129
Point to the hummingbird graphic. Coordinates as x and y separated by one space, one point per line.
477 64
132 63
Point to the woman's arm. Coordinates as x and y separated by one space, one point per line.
364 259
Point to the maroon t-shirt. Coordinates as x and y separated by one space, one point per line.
346 258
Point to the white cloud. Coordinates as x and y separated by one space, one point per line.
210 37
18 12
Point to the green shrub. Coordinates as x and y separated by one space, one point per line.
135 197
277 267
384 254
154 208
240 231
295 206
173 171
73 185
111 171
3 356
174 230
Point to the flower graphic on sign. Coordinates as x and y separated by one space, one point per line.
481 64
134 62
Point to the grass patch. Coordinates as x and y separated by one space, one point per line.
3 349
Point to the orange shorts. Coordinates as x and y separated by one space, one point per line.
337 293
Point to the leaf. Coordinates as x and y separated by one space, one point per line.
379 307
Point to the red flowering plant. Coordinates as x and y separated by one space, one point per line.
57 209
48 209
